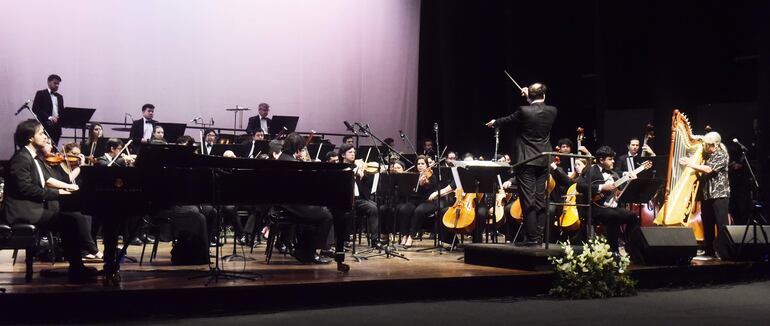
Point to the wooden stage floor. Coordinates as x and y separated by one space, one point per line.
287 284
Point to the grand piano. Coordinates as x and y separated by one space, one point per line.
175 175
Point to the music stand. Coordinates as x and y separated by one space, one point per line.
658 164
278 123
220 149
172 131
639 191
367 150
165 155
260 147
99 148
319 150
75 118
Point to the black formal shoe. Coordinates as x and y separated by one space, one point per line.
244 240
320 260
326 253
148 239
135 241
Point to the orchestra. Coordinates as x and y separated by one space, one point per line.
389 214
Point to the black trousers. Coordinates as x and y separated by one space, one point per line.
368 209
316 223
69 224
713 213
612 219
532 194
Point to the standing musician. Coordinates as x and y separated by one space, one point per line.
364 206
348 140
209 141
28 200
48 106
714 187
532 130
260 121
600 178
427 148
630 161
141 129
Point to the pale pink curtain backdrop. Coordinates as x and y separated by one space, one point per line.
325 61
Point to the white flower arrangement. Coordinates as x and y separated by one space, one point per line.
594 273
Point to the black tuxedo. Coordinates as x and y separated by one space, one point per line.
26 200
255 123
43 109
137 129
532 133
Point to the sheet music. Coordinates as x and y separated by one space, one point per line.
375 183
456 176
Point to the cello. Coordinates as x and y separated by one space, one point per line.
516 211
570 219
461 217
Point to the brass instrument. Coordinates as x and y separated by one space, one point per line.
681 181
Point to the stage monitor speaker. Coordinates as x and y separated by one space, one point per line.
660 245
728 243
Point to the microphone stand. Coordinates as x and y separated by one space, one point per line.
757 219
436 226
406 140
386 250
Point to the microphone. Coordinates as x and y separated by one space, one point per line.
497 132
195 119
743 148
25 105
212 121
349 126
401 134
435 126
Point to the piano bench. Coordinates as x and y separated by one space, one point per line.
20 236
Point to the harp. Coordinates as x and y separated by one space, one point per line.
681 181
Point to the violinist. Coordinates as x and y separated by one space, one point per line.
416 211
364 206
28 200
252 149
89 146
62 174
332 157
114 155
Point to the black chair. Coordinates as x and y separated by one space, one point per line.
155 227
20 237
278 220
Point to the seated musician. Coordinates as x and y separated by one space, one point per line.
316 219
600 178
275 148
185 140
113 154
417 210
714 191
332 157
347 140
89 146
28 200
157 135
251 145
59 177
364 206
631 160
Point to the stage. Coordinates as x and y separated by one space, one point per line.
160 289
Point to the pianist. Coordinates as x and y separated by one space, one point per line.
29 201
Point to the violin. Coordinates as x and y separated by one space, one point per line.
56 159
